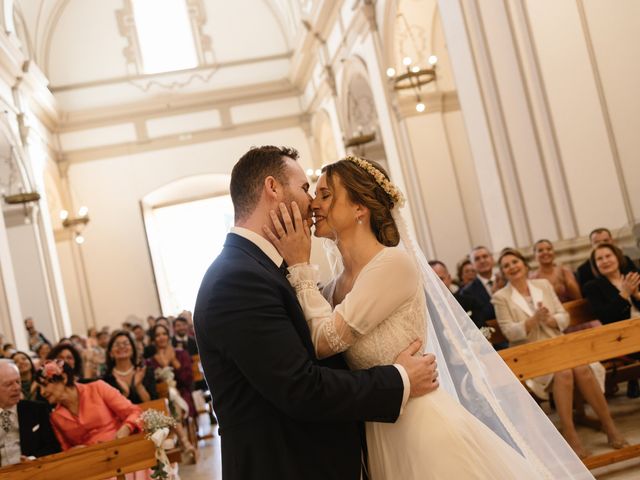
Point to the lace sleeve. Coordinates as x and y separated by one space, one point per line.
329 332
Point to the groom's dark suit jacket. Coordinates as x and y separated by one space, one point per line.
282 414
36 434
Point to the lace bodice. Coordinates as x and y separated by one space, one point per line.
382 345
383 313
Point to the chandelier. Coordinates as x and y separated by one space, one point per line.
415 73
414 77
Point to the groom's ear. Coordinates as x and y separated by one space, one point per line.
271 187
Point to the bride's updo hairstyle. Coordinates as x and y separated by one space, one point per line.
364 180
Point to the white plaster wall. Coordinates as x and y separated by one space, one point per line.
578 119
467 178
615 32
445 214
115 252
30 277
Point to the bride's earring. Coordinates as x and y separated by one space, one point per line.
359 221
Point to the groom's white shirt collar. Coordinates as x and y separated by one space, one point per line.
262 243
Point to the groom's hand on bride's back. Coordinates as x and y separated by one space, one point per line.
422 370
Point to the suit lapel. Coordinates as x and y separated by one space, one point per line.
256 255
519 300
536 296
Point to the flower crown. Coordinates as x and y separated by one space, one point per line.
52 368
390 189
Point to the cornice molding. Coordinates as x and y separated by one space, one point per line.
180 140
157 77
175 104
41 101
11 60
319 27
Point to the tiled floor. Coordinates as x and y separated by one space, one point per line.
626 413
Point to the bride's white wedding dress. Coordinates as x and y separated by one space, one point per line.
435 437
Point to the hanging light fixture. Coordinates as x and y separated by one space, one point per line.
76 224
416 73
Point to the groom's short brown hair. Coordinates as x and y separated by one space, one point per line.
249 173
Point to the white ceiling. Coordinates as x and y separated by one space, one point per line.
79 45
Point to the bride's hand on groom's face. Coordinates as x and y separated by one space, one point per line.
422 370
292 238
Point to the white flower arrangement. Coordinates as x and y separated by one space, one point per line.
487 332
156 426
392 190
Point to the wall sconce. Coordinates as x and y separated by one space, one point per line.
77 223
414 78
314 174
23 199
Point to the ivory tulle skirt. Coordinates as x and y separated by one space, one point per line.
437 438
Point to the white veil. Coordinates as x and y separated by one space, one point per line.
472 372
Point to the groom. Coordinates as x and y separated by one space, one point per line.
283 414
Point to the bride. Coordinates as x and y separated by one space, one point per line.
477 426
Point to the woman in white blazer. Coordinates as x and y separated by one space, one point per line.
529 310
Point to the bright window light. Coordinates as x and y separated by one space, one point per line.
188 237
164 35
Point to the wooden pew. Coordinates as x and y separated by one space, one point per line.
196 368
97 462
574 349
104 460
198 376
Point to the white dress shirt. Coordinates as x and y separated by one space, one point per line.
485 282
270 251
10 441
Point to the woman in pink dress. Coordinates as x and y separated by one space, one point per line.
561 277
86 414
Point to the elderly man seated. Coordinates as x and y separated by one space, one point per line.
25 430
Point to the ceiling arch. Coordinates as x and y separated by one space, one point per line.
76 41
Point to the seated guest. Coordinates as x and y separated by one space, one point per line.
92 337
27 375
528 311
151 322
85 414
140 338
486 282
585 272
95 358
178 361
181 338
466 272
134 380
69 355
25 430
35 337
8 349
613 294
562 278
42 351
468 303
